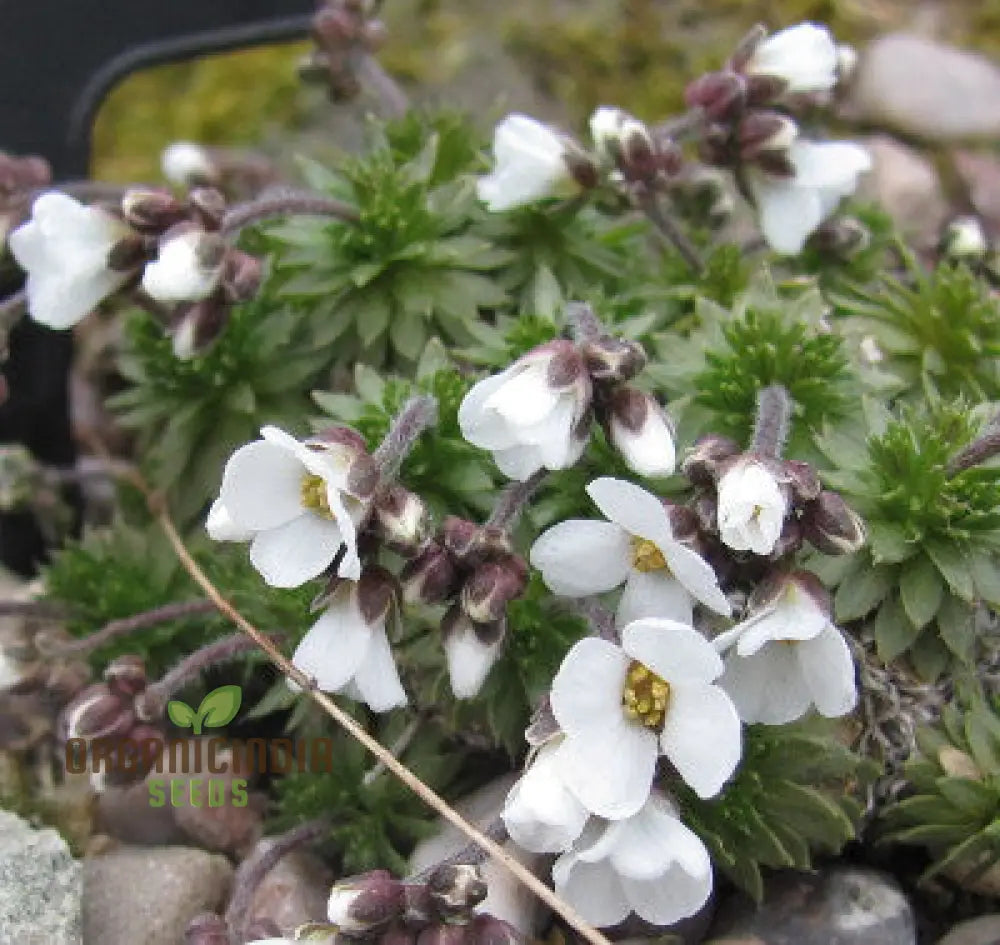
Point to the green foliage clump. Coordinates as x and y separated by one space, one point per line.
952 802
792 796
932 534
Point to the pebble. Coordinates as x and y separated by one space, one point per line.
294 892
982 931
40 886
148 895
839 906
927 89
981 175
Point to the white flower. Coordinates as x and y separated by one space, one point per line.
187 268
541 813
533 414
636 548
221 527
640 430
530 163
471 652
184 163
64 250
613 129
347 650
787 657
650 864
621 707
805 56
964 238
792 207
293 499
751 508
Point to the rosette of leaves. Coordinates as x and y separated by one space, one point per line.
790 799
189 415
952 802
713 375
939 331
933 534
410 268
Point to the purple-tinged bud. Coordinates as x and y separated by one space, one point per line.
443 934
242 276
491 541
198 327
126 675
471 650
789 541
765 131
152 211
488 930
706 509
747 46
130 252
703 463
96 713
207 929
831 526
209 206
683 521
399 934
366 902
492 587
613 360
582 168
377 593
775 163
401 519
764 89
640 430
841 237
348 446
430 577
459 536
803 480
565 364
456 889
719 94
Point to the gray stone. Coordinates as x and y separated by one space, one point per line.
981 175
906 185
927 89
294 892
982 931
40 886
839 906
148 895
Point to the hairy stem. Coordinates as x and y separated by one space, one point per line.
417 415
980 450
369 71
774 411
471 854
514 499
583 322
669 229
284 203
127 625
251 873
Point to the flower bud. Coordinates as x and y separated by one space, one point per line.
765 131
186 164
613 360
430 577
492 587
790 539
377 593
459 536
703 463
126 675
401 519
207 929
443 935
242 276
719 94
198 327
831 526
764 89
456 889
96 713
488 930
365 902
640 430
151 210
803 479
620 138
398 934
129 253
209 206
471 650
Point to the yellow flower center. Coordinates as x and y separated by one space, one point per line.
646 556
313 495
646 696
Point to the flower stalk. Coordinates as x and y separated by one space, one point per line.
774 411
282 203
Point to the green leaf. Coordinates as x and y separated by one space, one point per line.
930 657
408 333
220 706
180 713
921 591
894 632
954 567
976 799
888 542
982 731
861 593
956 625
986 575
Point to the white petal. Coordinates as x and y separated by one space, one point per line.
804 55
828 670
519 462
183 162
795 617
767 687
702 736
587 690
653 594
593 889
674 651
336 645
829 164
482 427
526 398
469 660
578 558
297 551
262 486
221 527
788 213
610 769
541 813
636 510
697 576
671 897
529 164
350 564
650 451
177 274
377 678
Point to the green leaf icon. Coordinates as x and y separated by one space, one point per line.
180 713
218 708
